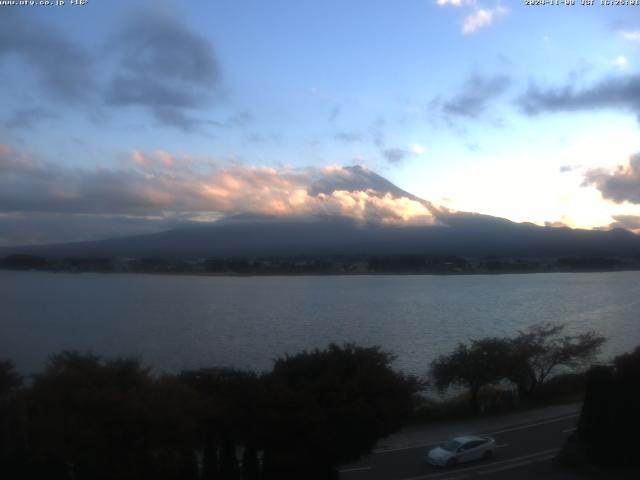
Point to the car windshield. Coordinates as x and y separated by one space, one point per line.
451 445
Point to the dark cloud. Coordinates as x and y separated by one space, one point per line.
164 68
377 132
240 120
237 121
475 96
620 185
63 67
41 228
395 156
568 168
334 114
28 184
156 64
621 93
630 222
28 117
349 137
254 138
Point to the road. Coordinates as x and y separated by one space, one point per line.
523 451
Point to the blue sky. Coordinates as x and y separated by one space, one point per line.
122 119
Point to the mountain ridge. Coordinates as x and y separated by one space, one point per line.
320 235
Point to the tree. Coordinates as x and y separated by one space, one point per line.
540 350
229 414
110 419
12 421
328 407
474 366
10 379
610 415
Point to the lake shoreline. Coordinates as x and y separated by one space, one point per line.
323 274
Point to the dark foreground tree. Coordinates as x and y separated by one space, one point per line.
610 418
231 404
481 363
10 380
328 407
12 421
108 419
542 349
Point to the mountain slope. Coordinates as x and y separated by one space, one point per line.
466 235
453 233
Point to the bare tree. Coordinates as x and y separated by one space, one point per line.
542 349
474 366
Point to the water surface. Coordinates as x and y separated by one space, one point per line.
176 322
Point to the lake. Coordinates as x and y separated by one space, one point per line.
177 322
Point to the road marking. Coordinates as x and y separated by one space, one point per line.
522 427
544 458
504 467
354 469
568 430
433 444
518 461
389 450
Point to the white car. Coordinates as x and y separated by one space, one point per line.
460 450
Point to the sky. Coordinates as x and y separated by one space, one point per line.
124 117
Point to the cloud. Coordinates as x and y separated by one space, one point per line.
482 18
349 137
455 3
417 149
479 17
159 184
50 227
621 185
633 36
156 64
475 95
556 224
62 67
165 69
619 92
335 113
629 222
28 117
620 61
396 156
378 132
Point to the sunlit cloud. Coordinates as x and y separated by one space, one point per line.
482 18
159 184
455 3
479 17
